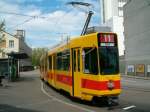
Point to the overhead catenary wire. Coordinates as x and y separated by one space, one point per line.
19 14
32 17
58 21
27 20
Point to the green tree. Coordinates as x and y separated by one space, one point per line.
36 55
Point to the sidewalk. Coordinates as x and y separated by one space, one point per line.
28 94
136 77
23 95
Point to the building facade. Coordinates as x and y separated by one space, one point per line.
8 44
112 16
137 37
14 44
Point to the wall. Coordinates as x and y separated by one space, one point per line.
137 34
24 48
110 9
7 37
116 24
19 46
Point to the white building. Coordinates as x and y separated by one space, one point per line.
15 43
112 16
8 44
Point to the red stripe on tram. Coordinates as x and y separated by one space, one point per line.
64 79
98 85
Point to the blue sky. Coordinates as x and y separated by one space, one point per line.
59 19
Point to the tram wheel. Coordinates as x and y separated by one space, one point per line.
113 101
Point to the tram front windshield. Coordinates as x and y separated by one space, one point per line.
108 57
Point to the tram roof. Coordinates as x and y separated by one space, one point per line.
66 44
73 42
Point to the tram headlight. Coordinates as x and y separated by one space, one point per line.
110 85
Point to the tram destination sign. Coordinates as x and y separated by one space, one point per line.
107 39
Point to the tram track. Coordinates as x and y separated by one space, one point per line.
54 98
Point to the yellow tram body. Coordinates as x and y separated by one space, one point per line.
64 66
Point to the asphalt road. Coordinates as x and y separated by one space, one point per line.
29 94
136 93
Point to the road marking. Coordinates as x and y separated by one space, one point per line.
129 107
61 101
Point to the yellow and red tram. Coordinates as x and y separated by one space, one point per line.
86 67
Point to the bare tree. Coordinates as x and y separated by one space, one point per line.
2 28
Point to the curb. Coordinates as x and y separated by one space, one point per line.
136 77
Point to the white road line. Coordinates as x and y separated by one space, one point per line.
129 107
66 103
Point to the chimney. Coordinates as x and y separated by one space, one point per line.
20 34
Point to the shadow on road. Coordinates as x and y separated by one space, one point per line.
25 79
9 108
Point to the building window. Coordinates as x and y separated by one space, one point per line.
2 43
11 43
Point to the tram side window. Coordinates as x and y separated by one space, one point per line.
78 60
63 60
90 61
54 63
50 62
59 61
66 60
74 62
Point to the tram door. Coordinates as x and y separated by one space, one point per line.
53 70
76 82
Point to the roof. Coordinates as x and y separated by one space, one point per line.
17 55
9 34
